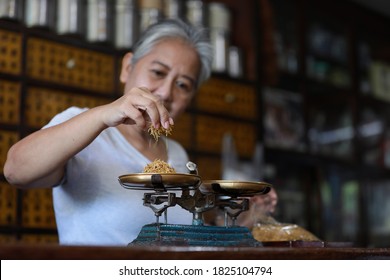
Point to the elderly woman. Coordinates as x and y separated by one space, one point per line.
82 151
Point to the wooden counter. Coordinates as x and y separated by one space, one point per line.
56 252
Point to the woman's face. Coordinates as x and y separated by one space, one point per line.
169 71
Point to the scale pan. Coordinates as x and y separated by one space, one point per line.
160 182
234 188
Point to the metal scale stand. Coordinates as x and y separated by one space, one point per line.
196 197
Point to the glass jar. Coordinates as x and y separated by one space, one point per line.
150 13
71 15
173 9
126 23
11 9
40 13
219 23
196 13
99 21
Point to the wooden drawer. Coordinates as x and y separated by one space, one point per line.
9 102
7 139
182 131
229 98
210 132
39 239
43 104
37 208
10 52
8 201
8 238
70 66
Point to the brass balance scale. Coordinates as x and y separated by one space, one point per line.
196 196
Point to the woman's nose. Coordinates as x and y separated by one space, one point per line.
165 91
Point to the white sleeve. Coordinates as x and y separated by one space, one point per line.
65 115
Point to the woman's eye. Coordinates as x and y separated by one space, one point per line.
184 86
157 73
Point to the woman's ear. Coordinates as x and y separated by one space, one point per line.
126 67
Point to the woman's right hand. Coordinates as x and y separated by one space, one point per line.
138 106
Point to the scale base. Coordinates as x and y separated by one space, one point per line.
193 235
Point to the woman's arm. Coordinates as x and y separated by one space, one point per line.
39 159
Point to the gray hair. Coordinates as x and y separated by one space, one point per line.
195 37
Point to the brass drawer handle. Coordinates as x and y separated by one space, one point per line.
230 98
71 64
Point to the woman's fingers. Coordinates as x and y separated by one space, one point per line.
138 106
153 107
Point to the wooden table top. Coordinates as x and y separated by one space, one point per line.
59 252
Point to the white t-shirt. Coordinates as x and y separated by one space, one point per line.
91 207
